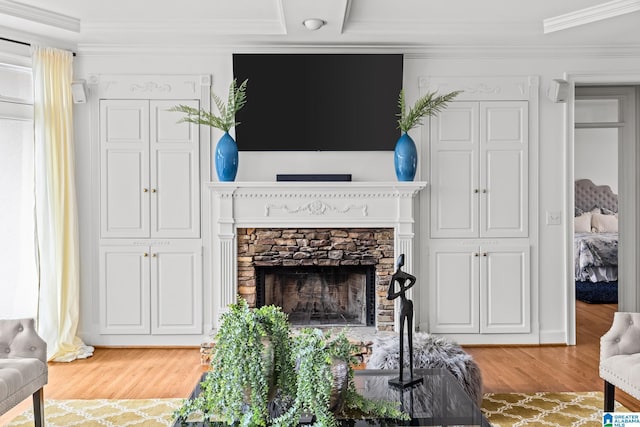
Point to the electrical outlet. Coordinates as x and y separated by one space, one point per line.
554 218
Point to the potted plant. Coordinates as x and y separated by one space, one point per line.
258 382
251 360
226 152
405 153
324 386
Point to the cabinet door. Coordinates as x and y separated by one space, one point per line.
453 279
504 138
124 172
505 290
176 295
124 290
175 172
454 171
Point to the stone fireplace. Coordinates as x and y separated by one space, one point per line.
319 276
326 238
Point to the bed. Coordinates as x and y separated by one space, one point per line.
596 242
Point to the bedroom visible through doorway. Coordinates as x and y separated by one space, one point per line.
603 123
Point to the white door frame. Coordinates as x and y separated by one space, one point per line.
628 174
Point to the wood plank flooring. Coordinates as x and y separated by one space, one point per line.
552 368
126 373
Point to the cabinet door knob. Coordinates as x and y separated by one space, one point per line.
153 190
476 190
476 254
145 254
484 254
146 190
484 190
154 255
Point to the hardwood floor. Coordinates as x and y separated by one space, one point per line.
159 372
552 368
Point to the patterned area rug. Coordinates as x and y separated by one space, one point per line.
103 412
545 409
502 410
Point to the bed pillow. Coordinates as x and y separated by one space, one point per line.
601 223
582 223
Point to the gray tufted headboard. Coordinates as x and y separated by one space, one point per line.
589 196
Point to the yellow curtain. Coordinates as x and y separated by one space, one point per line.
56 208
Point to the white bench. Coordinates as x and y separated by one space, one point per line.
23 366
620 357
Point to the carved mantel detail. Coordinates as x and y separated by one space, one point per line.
317 207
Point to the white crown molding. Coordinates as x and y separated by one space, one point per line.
40 16
411 51
440 29
590 14
200 27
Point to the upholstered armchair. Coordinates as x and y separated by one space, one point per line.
23 366
620 357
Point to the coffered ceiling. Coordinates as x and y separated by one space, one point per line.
375 23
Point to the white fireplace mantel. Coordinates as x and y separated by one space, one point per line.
302 204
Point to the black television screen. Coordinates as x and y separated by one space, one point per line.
319 102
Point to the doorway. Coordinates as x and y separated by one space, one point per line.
603 151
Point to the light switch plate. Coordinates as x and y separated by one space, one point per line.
554 218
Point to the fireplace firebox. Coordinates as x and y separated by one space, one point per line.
319 295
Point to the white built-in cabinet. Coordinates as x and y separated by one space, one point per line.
149 284
480 239
479 170
151 289
150 177
479 289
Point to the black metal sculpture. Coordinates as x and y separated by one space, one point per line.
406 281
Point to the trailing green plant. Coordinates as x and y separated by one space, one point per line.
240 389
236 390
314 354
427 105
236 99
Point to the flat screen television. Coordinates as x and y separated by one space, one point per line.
318 102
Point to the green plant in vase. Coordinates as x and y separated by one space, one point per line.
324 382
226 152
252 357
405 153
261 375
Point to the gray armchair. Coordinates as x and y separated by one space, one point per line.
620 357
23 366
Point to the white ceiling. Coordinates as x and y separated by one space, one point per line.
377 23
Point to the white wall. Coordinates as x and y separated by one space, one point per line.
596 156
548 261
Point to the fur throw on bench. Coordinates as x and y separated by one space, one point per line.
430 352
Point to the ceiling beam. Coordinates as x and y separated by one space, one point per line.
606 10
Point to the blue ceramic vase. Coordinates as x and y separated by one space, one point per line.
405 158
226 158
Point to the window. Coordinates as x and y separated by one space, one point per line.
18 278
